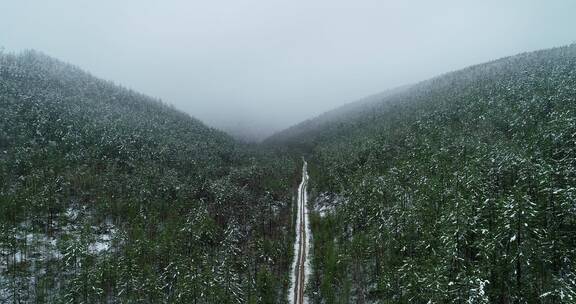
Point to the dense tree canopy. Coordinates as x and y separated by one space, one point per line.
109 195
458 189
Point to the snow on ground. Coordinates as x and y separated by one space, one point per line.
308 264
102 242
301 194
326 203
36 248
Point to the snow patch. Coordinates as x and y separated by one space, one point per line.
302 194
327 202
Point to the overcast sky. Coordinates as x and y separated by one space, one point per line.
268 64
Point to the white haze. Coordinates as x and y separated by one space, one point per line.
255 67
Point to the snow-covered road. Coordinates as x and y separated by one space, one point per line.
301 264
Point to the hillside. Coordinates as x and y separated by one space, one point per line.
309 132
110 196
457 189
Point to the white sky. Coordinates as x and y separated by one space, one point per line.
268 64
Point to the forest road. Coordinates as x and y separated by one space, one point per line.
301 245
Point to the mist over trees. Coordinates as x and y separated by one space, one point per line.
459 189
107 195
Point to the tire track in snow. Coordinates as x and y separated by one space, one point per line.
301 265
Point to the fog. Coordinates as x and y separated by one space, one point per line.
255 67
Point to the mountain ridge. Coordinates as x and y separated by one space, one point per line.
109 195
382 97
459 189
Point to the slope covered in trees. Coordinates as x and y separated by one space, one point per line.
109 196
456 189
459 189
311 131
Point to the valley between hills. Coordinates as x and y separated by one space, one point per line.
457 189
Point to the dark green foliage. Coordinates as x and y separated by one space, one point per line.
107 195
459 189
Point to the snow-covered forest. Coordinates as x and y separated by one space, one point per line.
108 196
457 189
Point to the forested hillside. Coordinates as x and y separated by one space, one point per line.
459 189
109 196
311 131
